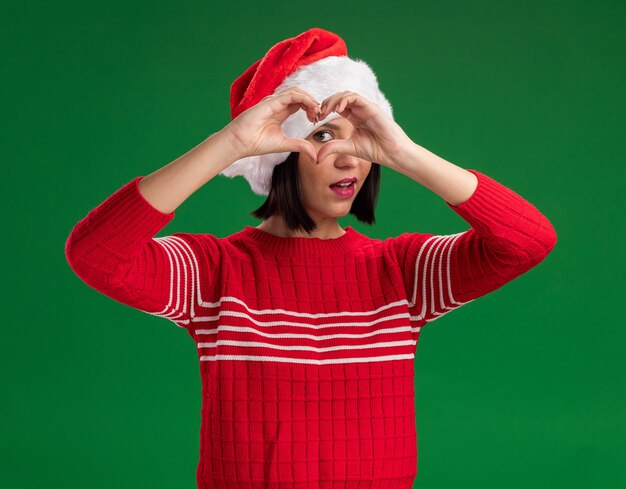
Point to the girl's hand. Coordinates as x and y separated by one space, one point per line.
258 130
376 136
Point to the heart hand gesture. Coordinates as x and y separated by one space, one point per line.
376 136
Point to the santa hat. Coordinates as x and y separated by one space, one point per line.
316 61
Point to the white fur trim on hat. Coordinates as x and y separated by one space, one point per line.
321 79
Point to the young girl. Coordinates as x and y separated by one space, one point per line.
306 332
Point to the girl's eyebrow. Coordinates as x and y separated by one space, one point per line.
332 126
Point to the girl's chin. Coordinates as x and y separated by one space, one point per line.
339 211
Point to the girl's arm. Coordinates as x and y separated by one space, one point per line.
508 237
114 250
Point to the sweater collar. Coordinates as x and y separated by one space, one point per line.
301 245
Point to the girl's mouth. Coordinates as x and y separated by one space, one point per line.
343 191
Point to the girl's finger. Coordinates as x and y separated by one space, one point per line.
343 104
332 102
304 92
337 146
297 101
301 146
300 95
326 105
289 97
328 101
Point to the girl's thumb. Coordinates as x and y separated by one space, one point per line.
335 146
302 146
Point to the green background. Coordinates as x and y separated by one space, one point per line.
523 388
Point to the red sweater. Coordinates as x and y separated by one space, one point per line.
306 346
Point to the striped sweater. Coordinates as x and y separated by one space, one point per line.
306 346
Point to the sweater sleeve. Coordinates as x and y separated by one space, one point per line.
114 250
508 237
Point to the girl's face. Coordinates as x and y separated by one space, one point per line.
320 200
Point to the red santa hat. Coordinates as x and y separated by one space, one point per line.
316 61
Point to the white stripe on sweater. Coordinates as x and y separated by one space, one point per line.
429 309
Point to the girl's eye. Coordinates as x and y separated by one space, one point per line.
322 132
